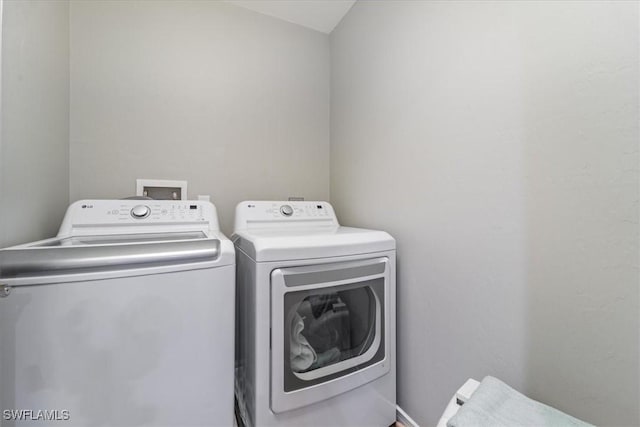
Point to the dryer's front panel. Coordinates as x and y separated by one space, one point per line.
328 330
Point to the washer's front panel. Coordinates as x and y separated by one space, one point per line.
146 351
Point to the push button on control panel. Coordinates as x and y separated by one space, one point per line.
140 211
286 210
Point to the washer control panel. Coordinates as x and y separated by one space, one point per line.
153 210
141 212
263 213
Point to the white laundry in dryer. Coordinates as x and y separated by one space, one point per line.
315 318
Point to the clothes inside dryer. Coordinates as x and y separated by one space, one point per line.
329 327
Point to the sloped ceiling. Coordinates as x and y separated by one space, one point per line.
319 15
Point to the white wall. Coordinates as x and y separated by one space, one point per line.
34 147
235 102
498 142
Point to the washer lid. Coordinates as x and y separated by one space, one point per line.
282 244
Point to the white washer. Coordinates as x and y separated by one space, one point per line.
316 318
125 318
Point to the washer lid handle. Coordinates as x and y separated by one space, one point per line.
76 259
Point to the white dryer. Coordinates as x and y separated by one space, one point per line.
315 318
125 318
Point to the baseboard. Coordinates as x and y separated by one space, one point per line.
404 418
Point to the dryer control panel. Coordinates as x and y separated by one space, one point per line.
272 213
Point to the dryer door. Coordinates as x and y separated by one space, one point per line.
328 326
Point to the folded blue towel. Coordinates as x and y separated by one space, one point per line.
495 404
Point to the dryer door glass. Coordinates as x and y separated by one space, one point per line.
332 331
329 329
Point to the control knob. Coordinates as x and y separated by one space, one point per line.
286 210
140 211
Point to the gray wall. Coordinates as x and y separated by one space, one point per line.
34 146
498 142
235 102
